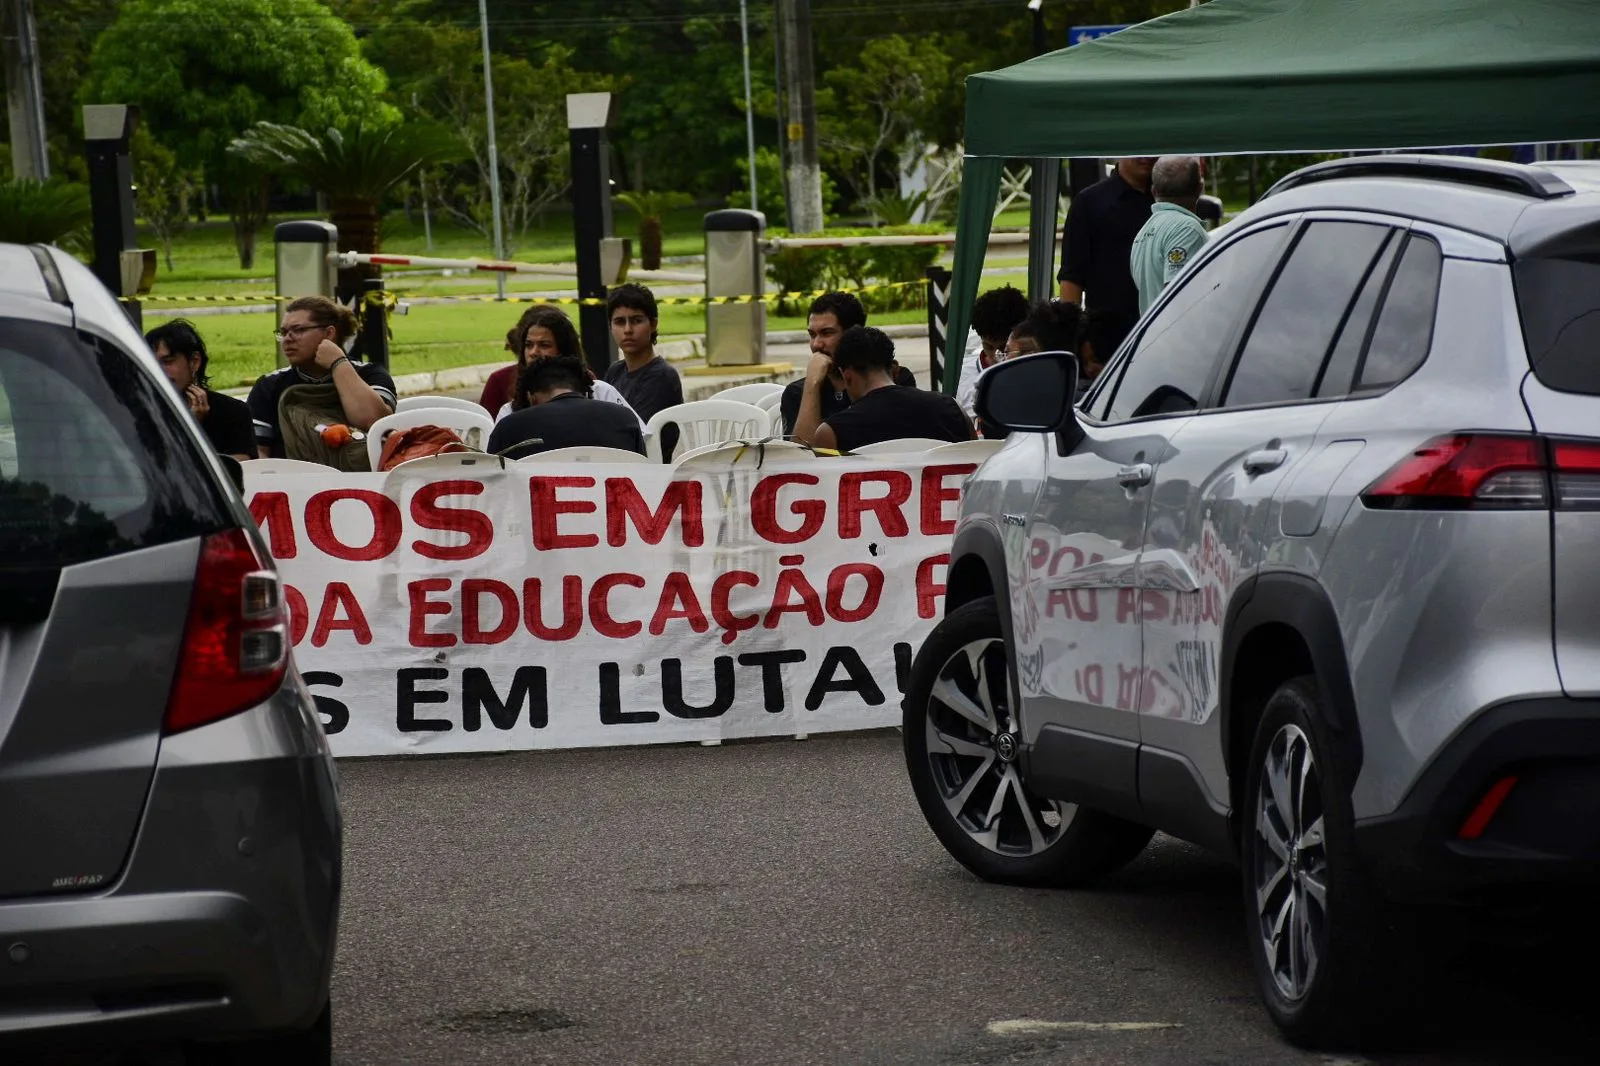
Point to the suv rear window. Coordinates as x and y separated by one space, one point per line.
92 462
1560 303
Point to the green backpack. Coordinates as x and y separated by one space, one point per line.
301 409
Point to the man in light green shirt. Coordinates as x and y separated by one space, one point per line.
1174 235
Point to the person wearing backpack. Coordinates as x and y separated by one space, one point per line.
295 408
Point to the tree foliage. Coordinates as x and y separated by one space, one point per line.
162 188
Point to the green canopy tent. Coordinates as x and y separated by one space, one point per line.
1234 76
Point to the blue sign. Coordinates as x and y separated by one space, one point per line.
1079 34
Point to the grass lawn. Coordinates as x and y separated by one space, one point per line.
439 336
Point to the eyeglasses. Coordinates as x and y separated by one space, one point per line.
294 331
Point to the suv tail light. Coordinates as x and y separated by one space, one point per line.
1492 471
235 652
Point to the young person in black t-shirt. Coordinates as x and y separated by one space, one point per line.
831 314
224 420
313 333
879 409
648 382
561 413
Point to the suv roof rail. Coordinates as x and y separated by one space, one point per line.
1463 170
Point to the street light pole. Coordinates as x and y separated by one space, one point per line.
1042 193
749 111
494 152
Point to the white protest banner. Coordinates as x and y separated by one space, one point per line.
579 605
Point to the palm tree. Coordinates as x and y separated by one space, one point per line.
650 206
45 212
353 167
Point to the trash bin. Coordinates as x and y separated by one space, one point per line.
736 333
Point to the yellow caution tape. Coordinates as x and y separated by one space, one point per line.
390 297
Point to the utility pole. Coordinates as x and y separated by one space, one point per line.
1043 191
24 94
749 110
494 152
805 171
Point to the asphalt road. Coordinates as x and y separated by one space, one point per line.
782 902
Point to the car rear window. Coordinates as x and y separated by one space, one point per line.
1560 303
92 461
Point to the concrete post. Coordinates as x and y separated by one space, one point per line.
736 334
303 266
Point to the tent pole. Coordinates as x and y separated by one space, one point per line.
1044 192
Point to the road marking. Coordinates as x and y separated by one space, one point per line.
1037 1027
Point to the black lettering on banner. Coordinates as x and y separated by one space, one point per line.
336 716
859 679
771 663
902 666
407 697
611 712
672 689
478 695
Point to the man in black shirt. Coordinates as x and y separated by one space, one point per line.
879 409
648 382
1097 241
224 420
831 314
562 414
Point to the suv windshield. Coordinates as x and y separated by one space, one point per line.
92 462
1560 303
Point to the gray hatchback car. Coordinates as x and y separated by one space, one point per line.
1309 578
169 818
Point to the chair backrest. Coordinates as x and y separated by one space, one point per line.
965 451
899 446
413 403
584 454
749 393
467 463
283 466
770 401
473 427
702 422
740 453
776 427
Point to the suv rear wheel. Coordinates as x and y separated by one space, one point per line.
962 738
1335 962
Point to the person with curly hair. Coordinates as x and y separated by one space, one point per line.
543 332
224 420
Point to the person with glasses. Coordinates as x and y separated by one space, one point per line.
993 316
312 334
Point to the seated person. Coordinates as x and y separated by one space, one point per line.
544 331
648 382
1051 326
993 316
224 420
879 409
831 314
313 333
562 414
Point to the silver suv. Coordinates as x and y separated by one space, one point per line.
1309 578
169 820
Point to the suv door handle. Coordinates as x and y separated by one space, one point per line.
1131 477
1265 460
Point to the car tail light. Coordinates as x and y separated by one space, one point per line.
1576 469
1487 807
1467 470
235 652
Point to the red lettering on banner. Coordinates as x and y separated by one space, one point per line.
385 525
935 494
930 591
792 581
1058 598
546 509
732 624
472 591
887 507
571 608
870 596
624 504
678 601
764 510
1066 552
299 614
337 596
274 518
600 607
421 607
427 513
1086 604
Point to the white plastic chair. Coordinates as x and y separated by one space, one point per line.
473 427
775 428
702 422
584 454
257 467
965 451
900 446
749 393
468 463
455 403
742 453
770 401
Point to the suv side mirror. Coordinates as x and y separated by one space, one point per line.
1029 394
